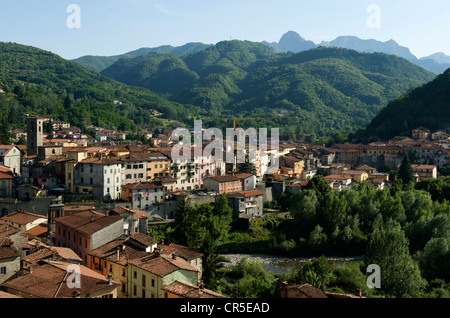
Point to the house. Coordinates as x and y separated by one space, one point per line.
11 157
99 177
49 279
248 180
179 289
147 196
339 181
24 220
357 175
13 234
301 291
86 231
223 184
41 251
425 171
440 135
246 203
9 260
148 275
420 133
135 221
6 182
113 257
192 257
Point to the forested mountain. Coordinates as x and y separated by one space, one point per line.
99 63
40 82
319 91
426 106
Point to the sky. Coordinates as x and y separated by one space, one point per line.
110 27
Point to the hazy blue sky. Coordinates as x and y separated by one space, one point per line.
111 27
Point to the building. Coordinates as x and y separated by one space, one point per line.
86 231
11 157
339 182
223 184
35 133
49 279
301 291
148 275
425 171
146 196
23 220
246 203
179 289
99 177
135 221
420 133
357 175
113 257
6 182
9 260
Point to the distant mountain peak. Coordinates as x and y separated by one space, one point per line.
292 41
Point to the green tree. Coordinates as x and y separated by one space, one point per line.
388 248
405 173
320 185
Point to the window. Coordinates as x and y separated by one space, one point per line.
143 280
134 274
134 290
153 282
3 270
143 293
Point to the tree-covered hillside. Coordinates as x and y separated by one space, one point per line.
40 82
320 91
100 63
426 106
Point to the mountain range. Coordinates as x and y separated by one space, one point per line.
323 90
291 41
320 90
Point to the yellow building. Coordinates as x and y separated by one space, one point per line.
420 133
148 275
75 156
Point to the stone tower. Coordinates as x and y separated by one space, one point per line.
34 134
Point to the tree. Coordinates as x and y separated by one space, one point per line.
405 173
320 185
388 248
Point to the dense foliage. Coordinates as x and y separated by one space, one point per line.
39 82
425 106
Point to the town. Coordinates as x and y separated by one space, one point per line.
68 200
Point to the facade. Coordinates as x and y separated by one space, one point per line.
144 196
86 231
11 157
99 177
112 258
6 178
420 133
24 220
148 275
9 260
246 203
223 184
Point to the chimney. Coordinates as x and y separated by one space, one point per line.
92 218
109 278
174 256
118 253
